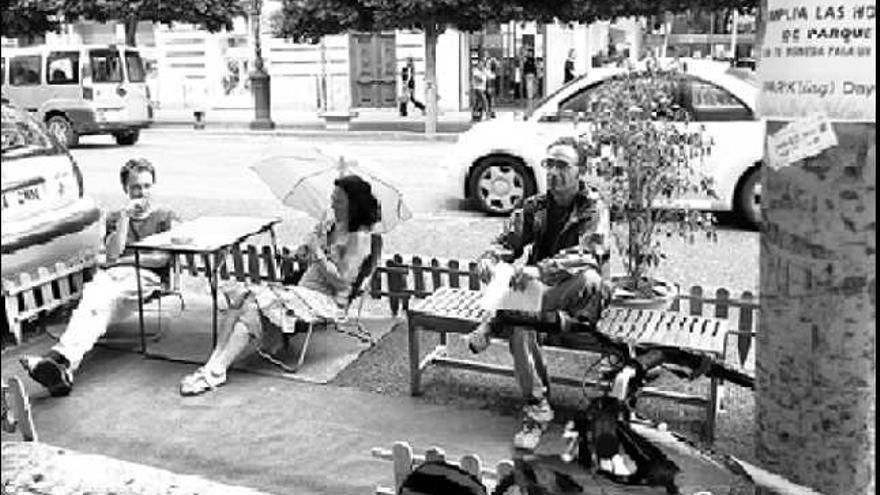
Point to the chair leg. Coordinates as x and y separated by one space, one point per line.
305 347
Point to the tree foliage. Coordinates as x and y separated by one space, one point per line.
212 15
642 146
29 18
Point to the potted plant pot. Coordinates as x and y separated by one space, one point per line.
659 294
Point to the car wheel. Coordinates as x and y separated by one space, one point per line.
748 199
63 131
500 183
128 138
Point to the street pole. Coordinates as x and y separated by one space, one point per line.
259 77
733 35
815 352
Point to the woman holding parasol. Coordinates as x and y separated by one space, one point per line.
335 252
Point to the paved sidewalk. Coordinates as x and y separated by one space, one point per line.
274 435
365 120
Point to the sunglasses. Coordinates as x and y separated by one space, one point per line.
551 163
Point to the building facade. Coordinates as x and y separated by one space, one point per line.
190 68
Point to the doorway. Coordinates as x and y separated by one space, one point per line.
373 70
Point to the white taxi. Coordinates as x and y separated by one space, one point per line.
497 163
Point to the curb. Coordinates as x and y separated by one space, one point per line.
317 130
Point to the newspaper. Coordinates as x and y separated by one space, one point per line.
499 294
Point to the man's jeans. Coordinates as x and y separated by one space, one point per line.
528 361
110 296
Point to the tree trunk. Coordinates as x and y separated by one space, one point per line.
815 389
431 77
130 25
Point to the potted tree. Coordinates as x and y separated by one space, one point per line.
639 142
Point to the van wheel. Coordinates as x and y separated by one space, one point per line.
63 131
128 138
500 183
747 200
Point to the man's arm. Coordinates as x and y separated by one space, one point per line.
592 251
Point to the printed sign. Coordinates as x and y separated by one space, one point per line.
800 139
819 56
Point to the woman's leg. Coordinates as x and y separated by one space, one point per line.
240 328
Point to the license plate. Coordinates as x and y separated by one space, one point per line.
22 197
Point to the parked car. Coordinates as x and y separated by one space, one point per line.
497 163
47 218
80 90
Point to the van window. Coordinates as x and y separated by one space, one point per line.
135 65
106 66
63 67
25 70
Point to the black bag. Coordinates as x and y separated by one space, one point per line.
440 478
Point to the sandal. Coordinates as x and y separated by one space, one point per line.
201 381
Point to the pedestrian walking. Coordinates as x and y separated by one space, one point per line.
568 70
490 89
408 80
480 105
530 73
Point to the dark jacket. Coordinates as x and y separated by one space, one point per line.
584 239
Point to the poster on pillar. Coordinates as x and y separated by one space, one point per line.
819 56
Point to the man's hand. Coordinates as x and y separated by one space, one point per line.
520 279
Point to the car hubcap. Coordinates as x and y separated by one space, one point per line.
501 188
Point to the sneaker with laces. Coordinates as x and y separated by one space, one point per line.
478 340
539 411
201 381
51 371
536 419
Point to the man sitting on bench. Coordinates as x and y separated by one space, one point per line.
567 232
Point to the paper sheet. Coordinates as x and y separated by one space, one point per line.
499 295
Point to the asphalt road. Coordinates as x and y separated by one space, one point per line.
203 173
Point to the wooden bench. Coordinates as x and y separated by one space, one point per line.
30 295
407 283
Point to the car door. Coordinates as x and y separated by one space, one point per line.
737 135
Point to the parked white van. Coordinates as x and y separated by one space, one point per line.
80 90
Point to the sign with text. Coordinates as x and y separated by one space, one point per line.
799 140
819 57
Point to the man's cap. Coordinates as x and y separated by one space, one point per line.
563 152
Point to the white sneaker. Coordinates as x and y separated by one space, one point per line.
201 381
536 419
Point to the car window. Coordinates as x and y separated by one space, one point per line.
135 65
106 66
579 101
23 136
24 70
709 102
63 68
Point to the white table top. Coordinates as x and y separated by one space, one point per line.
206 234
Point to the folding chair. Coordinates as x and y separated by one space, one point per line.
345 324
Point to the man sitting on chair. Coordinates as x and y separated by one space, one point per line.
336 251
112 294
567 230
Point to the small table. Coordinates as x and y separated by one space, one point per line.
210 236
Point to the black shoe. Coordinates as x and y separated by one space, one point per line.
51 371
